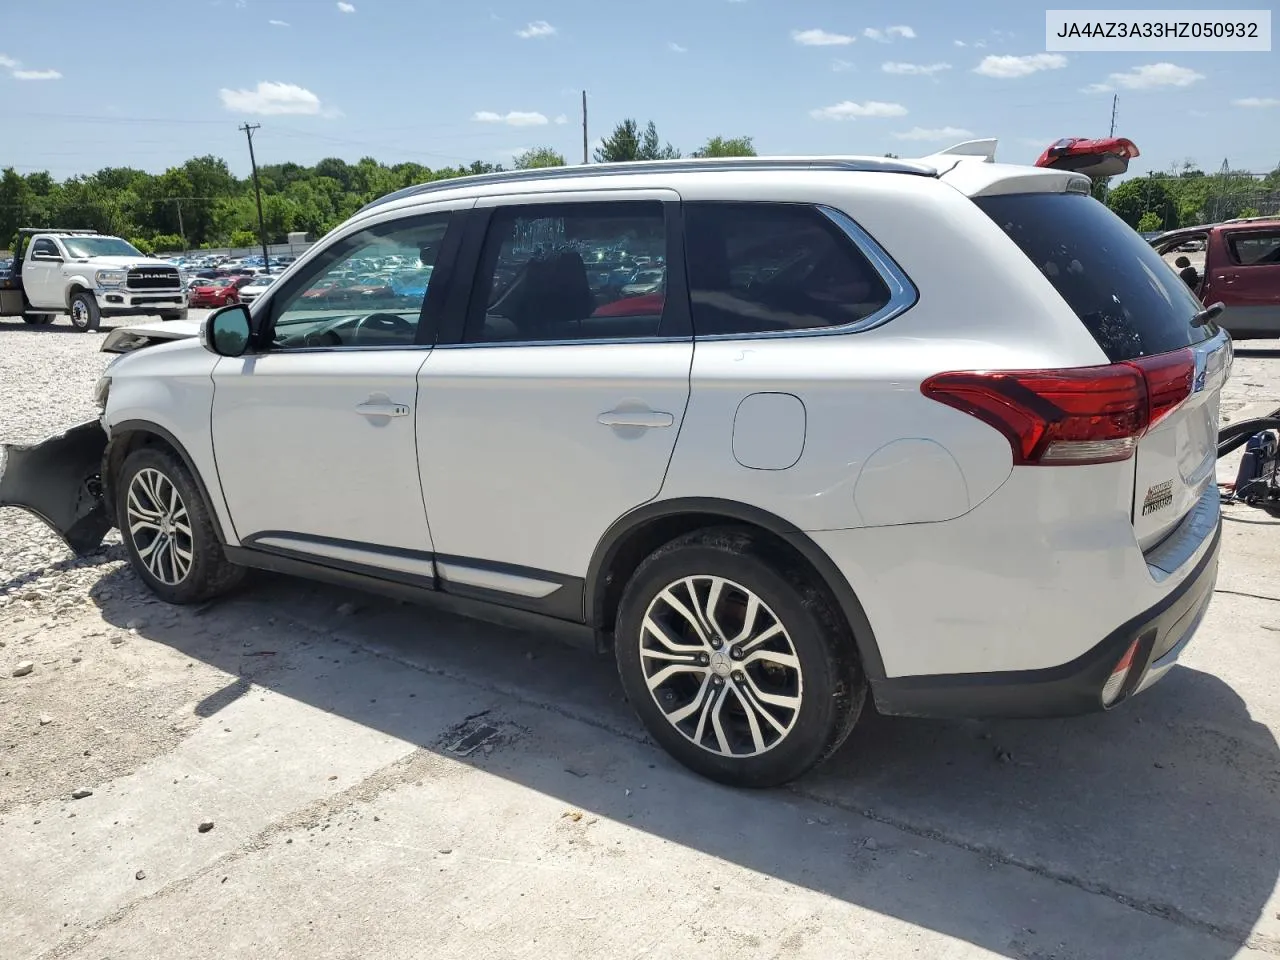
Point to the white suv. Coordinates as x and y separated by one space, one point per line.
943 429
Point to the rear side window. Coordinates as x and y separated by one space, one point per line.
772 268
1259 248
1127 297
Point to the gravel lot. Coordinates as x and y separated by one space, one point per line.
319 732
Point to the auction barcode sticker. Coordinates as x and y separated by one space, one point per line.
1157 31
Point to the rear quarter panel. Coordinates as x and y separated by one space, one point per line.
981 304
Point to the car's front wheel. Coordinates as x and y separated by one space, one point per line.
737 662
168 530
85 315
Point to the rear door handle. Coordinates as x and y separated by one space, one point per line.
379 408
636 418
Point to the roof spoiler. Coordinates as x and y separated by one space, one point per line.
983 149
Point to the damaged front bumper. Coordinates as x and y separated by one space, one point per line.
60 482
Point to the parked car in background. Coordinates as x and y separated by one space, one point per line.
827 465
214 293
256 287
645 282
1235 263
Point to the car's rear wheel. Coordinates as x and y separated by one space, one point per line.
85 315
37 319
173 315
168 530
737 662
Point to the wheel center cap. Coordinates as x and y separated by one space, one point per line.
166 526
721 665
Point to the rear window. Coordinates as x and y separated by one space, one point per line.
1127 297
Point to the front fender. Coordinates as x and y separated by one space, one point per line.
71 283
59 481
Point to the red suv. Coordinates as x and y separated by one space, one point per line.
1236 262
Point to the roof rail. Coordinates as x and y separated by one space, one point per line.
855 164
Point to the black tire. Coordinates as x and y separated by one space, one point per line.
830 681
85 315
37 319
173 315
208 574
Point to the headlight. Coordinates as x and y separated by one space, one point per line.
100 391
110 278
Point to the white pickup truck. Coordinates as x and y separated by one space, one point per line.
87 276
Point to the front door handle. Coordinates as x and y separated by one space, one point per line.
381 408
636 418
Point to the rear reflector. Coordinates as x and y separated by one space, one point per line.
1115 683
1075 415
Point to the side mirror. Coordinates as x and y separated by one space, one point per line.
226 331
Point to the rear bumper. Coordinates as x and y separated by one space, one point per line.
1162 632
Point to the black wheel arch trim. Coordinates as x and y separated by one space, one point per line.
127 427
617 535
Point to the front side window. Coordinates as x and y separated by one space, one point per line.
368 289
1255 248
44 248
774 268
100 247
587 271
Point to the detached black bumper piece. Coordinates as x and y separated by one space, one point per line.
1157 636
58 481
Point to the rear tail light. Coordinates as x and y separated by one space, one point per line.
1115 683
1075 415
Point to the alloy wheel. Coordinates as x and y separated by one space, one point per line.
79 314
721 666
160 526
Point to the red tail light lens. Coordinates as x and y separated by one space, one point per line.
1076 415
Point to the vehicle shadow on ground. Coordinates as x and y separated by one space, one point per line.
1168 807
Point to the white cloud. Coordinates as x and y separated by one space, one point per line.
935 133
959 43
820 38
536 30
15 68
1009 67
271 99
1147 77
515 118
841 66
562 119
278 23
346 7
1257 102
915 69
676 48
871 33
849 110
905 32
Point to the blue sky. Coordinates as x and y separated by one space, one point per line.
149 83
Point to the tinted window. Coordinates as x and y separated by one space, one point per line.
1126 296
100 247
366 290
1255 248
44 248
570 272
765 267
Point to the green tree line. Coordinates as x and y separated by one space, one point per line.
203 204
1188 196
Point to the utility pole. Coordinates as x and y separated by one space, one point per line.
1115 99
181 229
585 158
248 129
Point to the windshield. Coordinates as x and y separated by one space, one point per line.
1127 297
100 247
